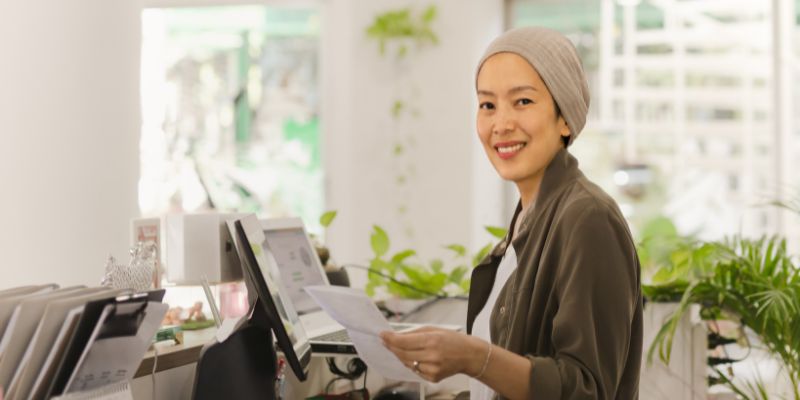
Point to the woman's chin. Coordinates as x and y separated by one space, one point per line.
508 176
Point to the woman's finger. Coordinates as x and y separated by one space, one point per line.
429 356
405 341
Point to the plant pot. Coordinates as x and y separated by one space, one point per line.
338 277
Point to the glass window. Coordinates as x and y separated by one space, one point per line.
686 90
230 105
230 119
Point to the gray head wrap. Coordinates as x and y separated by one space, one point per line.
554 57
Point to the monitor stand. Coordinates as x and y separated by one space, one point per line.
242 367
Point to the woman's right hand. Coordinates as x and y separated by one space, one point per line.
435 353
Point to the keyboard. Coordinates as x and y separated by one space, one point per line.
341 336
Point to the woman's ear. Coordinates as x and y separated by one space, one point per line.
563 128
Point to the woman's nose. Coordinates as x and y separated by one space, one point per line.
503 123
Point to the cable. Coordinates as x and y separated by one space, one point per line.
355 368
153 373
728 358
365 376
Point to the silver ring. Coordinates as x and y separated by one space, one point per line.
416 366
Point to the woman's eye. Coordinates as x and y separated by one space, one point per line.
524 102
486 106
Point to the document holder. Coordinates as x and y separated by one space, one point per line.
244 366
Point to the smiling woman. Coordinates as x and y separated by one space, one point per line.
555 310
517 110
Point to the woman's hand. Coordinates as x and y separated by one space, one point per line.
438 353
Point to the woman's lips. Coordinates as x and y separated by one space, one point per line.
508 150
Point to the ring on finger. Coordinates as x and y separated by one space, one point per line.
416 366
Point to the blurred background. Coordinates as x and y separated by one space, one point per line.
115 110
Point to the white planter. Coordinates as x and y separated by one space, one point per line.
686 376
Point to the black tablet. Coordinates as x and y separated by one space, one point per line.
262 270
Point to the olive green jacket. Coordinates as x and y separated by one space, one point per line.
573 306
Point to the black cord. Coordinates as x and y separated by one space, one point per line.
365 376
328 386
355 367
438 296
728 358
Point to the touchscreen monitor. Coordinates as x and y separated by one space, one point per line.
262 270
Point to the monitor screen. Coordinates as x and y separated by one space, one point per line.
299 264
261 268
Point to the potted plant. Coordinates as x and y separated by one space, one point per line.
752 283
404 275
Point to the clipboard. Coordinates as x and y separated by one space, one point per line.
89 328
43 342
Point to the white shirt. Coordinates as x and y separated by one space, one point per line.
480 327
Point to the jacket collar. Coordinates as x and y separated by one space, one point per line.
560 173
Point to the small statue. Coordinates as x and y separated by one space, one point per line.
138 274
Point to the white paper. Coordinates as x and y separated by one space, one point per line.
115 391
364 322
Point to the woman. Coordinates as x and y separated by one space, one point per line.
555 311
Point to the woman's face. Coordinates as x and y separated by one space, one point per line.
517 121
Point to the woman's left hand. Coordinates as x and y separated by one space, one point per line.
435 353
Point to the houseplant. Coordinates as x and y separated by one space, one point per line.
402 33
754 283
405 275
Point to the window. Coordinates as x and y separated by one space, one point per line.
687 89
230 111
230 118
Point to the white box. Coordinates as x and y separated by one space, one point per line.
199 245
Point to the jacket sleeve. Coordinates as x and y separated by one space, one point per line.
598 289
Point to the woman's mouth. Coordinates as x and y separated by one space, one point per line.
508 150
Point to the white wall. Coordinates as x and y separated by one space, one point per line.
69 125
69 119
455 191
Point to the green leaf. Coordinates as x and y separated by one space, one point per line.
326 219
457 274
437 265
430 14
379 241
660 227
482 253
401 256
402 51
397 108
414 273
460 250
436 282
404 291
497 231
379 265
375 279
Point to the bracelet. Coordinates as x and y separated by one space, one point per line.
485 363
